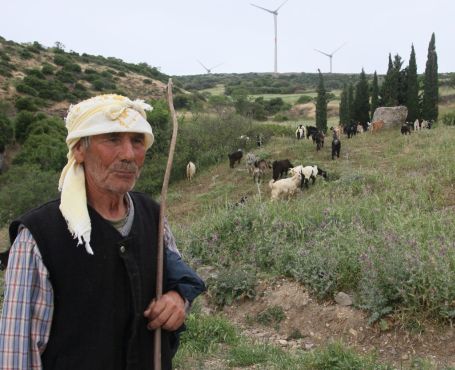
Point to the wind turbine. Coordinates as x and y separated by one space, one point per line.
275 16
209 69
330 55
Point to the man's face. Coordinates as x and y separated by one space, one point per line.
112 162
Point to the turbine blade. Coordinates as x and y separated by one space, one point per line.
281 5
333 52
260 7
216 66
204 66
322 52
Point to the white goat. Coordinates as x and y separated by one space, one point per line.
190 170
250 160
308 172
285 187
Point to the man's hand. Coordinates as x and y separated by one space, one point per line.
168 312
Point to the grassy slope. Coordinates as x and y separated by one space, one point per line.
390 199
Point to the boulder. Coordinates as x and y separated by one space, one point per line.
343 299
392 116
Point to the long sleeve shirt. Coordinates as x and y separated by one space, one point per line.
26 318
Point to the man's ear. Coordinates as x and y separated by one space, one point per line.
79 152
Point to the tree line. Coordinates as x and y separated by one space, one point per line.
401 86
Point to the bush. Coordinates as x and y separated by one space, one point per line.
280 118
22 121
6 131
44 150
47 69
205 333
26 103
65 76
233 284
61 60
23 188
304 99
72 67
36 73
25 54
25 89
449 119
271 316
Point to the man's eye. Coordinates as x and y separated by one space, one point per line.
138 140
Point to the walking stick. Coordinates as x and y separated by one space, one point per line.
159 262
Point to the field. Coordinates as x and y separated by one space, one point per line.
380 229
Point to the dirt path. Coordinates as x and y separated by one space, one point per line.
309 324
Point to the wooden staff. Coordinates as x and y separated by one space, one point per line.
159 262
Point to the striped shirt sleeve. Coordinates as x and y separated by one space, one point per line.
27 308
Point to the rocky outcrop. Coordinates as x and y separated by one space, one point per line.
392 116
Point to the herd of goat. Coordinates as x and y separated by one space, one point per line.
283 186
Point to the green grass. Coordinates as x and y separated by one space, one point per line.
212 342
217 90
381 228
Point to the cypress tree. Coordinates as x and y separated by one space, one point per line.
431 84
362 100
391 87
374 95
401 80
412 93
350 114
386 86
344 108
321 105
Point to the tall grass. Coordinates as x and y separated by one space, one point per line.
382 229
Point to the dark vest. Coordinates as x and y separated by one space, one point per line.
99 299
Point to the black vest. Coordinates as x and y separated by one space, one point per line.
99 299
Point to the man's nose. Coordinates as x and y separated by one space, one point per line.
127 150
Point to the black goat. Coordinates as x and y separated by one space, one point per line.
319 138
405 130
235 157
336 147
281 168
311 131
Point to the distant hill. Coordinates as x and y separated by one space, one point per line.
51 78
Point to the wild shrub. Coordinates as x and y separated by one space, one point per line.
233 284
26 103
61 59
47 69
25 54
271 316
66 76
304 99
448 119
6 131
44 150
205 333
37 73
23 188
25 89
72 67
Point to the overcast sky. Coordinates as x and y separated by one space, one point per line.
174 34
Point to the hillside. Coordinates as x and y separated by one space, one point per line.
52 78
382 223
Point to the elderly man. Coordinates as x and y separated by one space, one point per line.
80 281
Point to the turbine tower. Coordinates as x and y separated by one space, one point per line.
209 69
330 55
275 17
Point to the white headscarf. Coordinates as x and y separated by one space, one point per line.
99 115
